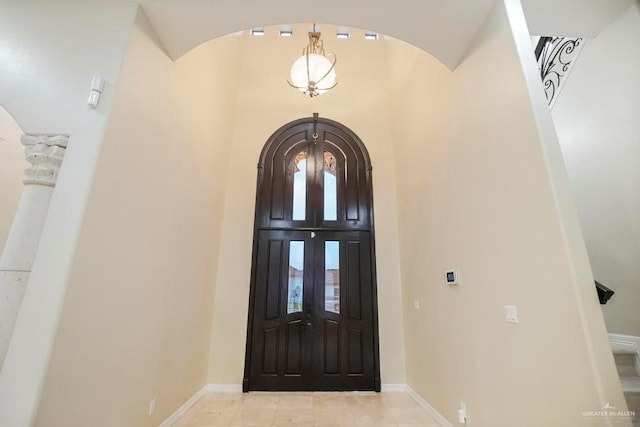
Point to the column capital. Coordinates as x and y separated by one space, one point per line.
45 153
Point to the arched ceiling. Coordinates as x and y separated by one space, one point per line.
444 28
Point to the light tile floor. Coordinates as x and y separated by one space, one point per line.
316 409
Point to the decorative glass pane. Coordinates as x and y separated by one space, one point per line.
332 276
300 186
330 188
296 273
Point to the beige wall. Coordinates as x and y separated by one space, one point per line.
265 102
12 165
474 193
137 315
176 178
596 116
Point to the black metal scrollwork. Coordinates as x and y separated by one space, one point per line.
555 55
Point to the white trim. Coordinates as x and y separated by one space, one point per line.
224 388
430 409
173 418
237 388
393 388
626 343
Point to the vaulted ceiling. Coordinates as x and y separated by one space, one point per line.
443 28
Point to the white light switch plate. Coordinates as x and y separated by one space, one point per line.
511 313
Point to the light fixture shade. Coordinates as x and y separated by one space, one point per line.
314 72
316 77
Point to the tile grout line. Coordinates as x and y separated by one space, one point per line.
361 402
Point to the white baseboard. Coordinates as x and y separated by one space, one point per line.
393 388
224 388
430 409
237 388
173 418
627 343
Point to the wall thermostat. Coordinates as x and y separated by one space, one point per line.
452 277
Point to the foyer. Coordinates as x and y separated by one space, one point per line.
138 297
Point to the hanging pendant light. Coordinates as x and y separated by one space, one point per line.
314 72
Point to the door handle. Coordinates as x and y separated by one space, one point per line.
308 323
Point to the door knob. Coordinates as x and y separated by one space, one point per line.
308 316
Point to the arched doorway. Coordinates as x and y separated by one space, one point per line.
313 309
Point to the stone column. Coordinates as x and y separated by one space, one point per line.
45 153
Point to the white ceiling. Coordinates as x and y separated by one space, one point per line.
572 18
444 28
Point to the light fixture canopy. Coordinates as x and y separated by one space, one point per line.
314 72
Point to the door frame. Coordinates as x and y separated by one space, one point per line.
274 141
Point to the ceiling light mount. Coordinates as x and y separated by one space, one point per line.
314 72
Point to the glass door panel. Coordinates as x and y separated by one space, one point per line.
332 276
296 277
330 188
300 186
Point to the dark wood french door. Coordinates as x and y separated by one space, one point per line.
313 327
313 308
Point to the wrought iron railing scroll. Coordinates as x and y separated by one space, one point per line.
556 56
